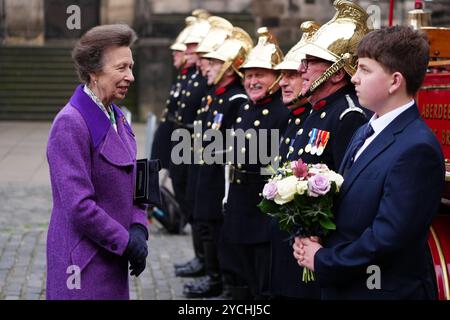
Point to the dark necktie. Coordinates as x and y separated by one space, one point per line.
358 143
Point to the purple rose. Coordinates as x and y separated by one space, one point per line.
318 185
270 190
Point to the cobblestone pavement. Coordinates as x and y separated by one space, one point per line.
25 205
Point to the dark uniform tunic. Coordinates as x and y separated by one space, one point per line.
161 147
222 114
221 111
285 279
330 126
185 115
245 226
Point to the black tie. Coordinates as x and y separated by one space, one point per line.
358 143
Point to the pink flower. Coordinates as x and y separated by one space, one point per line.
318 185
299 169
270 190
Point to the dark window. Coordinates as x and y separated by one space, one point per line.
310 1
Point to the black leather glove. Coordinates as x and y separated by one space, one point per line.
137 251
137 267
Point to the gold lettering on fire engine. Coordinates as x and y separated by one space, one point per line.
445 137
436 111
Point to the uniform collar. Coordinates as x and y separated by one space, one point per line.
328 100
299 110
268 99
222 90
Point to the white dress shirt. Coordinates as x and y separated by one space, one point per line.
379 123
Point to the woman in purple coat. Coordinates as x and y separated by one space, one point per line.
95 228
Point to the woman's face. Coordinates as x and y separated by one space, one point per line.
113 81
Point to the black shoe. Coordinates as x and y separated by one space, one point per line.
186 264
205 287
196 283
195 269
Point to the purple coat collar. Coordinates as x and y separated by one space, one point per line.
95 119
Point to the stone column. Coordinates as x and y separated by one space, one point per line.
117 11
2 20
24 21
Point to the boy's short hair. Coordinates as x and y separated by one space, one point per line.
399 49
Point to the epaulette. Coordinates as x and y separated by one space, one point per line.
237 96
351 108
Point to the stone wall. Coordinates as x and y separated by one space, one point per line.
117 11
24 21
154 75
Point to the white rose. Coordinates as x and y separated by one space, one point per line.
302 186
287 188
339 180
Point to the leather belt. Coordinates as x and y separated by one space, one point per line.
171 118
245 177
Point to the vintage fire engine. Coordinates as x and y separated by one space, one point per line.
433 101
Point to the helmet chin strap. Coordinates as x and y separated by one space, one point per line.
335 67
274 85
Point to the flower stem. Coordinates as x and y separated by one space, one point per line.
308 275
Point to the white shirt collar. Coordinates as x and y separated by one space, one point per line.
379 123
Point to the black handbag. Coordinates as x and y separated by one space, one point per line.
147 189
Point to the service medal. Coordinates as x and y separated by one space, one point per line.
308 148
320 150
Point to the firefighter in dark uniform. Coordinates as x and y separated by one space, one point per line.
188 105
329 63
245 228
285 275
161 140
224 104
219 30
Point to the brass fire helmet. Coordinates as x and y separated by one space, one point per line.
179 45
199 29
266 55
338 39
232 52
220 30
293 59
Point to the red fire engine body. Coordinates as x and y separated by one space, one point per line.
433 101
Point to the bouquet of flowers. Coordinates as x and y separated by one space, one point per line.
300 196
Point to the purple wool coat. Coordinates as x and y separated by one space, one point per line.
92 169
